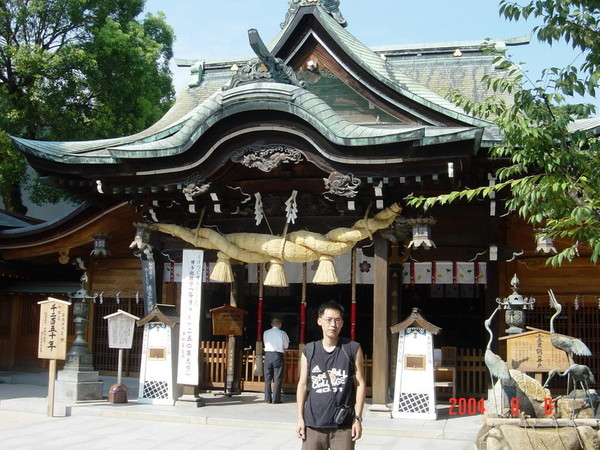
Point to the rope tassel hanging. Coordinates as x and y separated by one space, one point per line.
276 274
325 273
297 247
222 273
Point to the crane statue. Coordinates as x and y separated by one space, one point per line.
581 374
496 365
567 344
570 345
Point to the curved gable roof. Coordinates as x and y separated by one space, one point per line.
180 137
373 63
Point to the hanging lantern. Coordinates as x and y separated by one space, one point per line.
421 230
100 245
545 245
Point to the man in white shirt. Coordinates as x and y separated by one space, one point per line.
275 341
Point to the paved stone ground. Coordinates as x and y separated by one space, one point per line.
238 422
34 431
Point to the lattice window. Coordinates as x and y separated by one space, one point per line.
156 389
105 358
414 403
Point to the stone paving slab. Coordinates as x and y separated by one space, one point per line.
247 413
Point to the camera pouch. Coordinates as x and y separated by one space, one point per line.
341 413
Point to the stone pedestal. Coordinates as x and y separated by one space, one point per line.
78 381
190 397
75 386
498 399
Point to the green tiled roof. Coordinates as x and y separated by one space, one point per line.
378 67
178 137
203 103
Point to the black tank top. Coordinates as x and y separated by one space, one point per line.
324 397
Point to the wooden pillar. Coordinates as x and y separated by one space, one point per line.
395 273
380 378
234 343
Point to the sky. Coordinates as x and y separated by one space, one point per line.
218 29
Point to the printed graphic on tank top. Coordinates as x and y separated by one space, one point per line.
324 397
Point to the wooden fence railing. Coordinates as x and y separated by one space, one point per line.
472 376
214 364
471 373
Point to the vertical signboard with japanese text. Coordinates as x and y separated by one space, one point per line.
53 329
189 331
149 284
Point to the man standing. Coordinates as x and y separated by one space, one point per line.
331 381
276 341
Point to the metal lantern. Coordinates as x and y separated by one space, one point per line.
545 245
515 305
421 230
100 245
79 356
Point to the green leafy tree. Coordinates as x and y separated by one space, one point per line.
553 169
77 69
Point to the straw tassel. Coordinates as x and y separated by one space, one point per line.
325 273
276 275
222 272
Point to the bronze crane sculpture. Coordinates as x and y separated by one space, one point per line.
496 365
581 374
567 344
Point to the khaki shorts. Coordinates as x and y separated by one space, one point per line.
328 438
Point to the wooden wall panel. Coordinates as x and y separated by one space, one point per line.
112 276
578 277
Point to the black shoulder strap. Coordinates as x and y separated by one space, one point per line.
310 351
347 349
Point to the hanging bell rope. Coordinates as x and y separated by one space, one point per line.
258 360
302 314
353 305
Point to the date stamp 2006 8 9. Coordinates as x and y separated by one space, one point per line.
473 406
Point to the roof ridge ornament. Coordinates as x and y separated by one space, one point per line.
265 67
331 7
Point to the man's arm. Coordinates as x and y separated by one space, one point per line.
361 394
301 394
286 340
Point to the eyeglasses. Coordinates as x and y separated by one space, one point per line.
335 320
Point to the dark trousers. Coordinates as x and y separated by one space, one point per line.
273 372
328 438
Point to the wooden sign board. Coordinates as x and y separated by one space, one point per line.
532 351
53 329
120 329
227 321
